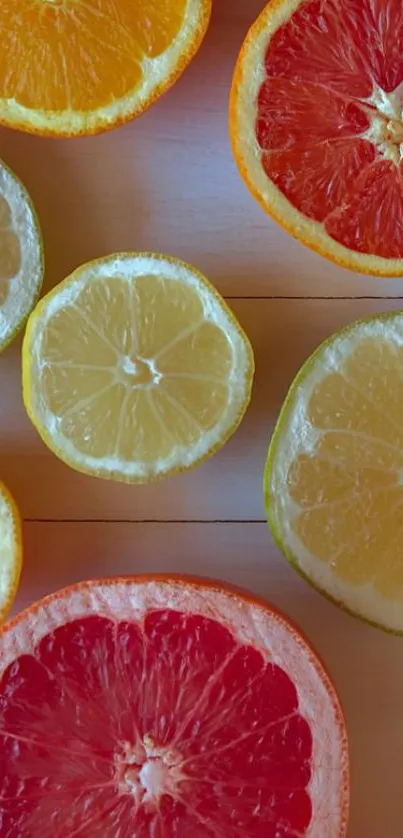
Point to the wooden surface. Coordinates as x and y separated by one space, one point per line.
168 183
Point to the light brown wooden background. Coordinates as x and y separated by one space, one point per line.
168 183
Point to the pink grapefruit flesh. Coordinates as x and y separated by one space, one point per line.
317 112
166 708
326 71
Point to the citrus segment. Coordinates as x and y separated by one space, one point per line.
317 126
21 257
101 62
134 368
10 550
166 707
333 479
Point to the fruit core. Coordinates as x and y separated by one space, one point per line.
386 124
137 372
149 772
118 725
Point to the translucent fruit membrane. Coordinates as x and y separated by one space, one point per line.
90 52
165 727
10 251
349 491
330 119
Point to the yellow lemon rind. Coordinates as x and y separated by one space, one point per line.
19 191
8 503
29 384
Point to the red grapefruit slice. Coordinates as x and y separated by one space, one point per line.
317 126
166 708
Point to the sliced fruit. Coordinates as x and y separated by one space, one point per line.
166 707
21 256
10 551
135 368
101 63
334 474
317 126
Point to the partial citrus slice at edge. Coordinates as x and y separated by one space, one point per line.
193 707
135 368
316 128
333 480
21 255
101 65
10 550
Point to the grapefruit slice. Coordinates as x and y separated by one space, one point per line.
135 368
333 479
21 255
161 707
317 126
10 550
69 68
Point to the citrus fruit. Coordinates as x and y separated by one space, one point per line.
334 474
21 255
135 368
159 707
10 550
317 126
69 68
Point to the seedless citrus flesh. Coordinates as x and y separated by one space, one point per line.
317 126
21 255
135 368
166 706
70 68
333 479
10 550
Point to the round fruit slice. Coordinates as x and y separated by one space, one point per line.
134 368
334 475
10 551
317 126
100 63
21 255
161 707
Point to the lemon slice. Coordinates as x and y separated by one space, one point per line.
21 255
10 550
334 475
134 368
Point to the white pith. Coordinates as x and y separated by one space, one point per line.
295 436
23 288
155 73
8 548
250 623
148 771
127 268
249 77
386 123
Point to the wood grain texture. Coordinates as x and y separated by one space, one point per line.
364 663
228 487
168 182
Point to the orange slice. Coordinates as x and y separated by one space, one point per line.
69 68
10 550
317 126
135 368
162 707
334 476
21 255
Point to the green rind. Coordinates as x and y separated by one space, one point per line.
274 445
